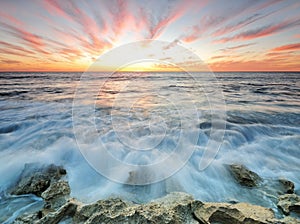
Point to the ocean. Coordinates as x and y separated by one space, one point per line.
144 119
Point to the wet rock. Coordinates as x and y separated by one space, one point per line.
54 217
140 176
112 206
239 213
27 218
56 194
35 184
276 187
287 220
35 179
173 208
244 176
64 212
287 186
289 203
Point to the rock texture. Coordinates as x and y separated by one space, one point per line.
35 179
239 213
56 194
289 203
287 186
174 208
244 176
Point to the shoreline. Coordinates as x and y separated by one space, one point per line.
51 185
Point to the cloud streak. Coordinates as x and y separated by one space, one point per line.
262 31
288 47
237 47
71 34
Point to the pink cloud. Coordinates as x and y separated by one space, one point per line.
236 26
209 22
288 47
262 31
236 47
53 7
15 47
91 36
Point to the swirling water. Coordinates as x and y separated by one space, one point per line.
138 111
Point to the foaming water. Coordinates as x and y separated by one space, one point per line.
262 132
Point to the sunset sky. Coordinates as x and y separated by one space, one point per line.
228 35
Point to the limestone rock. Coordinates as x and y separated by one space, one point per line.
287 220
56 195
112 205
289 203
60 188
140 176
27 218
35 184
239 213
287 186
173 208
66 211
54 217
244 176
35 180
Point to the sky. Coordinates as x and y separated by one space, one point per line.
228 35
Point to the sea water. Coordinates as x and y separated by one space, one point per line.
138 121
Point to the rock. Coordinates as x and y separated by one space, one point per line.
244 176
139 176
276 187
66 211
289 203
287 186
27 218
240 213
56 195
173 208
288 220
35 184
35 180
112 205
60 188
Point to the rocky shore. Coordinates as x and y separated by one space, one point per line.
50 183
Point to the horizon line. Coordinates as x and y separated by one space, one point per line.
218 71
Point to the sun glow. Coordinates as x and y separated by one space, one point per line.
148 66
70 37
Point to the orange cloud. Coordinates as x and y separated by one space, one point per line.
272 61
15 47
253 65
